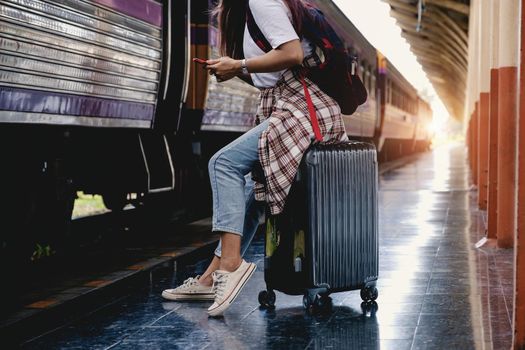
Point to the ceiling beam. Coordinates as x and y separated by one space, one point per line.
400 5
438 49
428 28
451 5
409 16
453 24
437 42
441 45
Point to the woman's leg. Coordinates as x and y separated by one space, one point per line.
231 252
206 279
227 169
254 212
233 206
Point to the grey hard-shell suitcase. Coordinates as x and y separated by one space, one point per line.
326 238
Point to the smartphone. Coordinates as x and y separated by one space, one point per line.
199 60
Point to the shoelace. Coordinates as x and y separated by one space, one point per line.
219 284
188 282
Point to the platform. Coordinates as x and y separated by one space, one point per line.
436 289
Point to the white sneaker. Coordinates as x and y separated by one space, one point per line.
227 286
191 289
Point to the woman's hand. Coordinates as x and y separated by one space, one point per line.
224 68
284 56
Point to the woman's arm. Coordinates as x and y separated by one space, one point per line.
285 56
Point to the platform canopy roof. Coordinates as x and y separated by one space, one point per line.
437 31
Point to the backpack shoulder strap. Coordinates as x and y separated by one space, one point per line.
255 32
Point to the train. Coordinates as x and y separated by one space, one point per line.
101 96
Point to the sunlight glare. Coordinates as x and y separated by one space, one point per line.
372 18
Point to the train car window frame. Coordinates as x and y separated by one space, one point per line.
373 87
367 79
388 91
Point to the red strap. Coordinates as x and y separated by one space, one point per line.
311 110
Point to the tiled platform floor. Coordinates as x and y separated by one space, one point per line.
434 286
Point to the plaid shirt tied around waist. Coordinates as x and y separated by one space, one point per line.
289 133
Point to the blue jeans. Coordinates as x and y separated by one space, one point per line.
235 209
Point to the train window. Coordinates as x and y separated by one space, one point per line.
395 98
390 92
387 93
369 73
387 90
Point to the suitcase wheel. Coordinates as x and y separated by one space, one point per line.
369 308
267 298
316 302
369 293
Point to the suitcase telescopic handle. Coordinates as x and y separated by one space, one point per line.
311 111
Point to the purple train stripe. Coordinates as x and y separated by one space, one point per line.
147 10
33 101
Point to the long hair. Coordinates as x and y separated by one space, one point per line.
231 18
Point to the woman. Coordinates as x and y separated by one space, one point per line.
272 150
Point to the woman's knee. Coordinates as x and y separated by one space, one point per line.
221 163
216 163
212 161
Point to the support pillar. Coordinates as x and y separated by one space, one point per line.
472 91
475 145
483 71
507 123
519 252
492 204
469 142
506 156
483 149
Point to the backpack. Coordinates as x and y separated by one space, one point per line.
334 75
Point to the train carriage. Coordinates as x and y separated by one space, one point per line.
90 93
79 63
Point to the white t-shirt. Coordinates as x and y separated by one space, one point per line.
274 19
